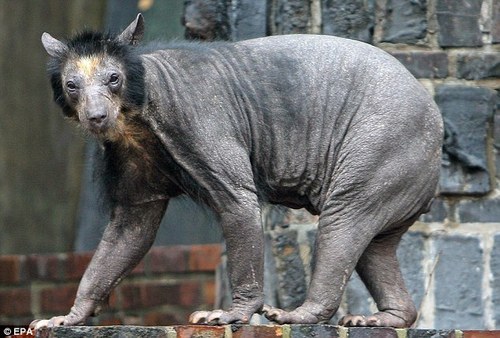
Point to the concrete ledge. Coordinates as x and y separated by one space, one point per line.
258 331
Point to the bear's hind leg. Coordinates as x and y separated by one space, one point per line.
379 269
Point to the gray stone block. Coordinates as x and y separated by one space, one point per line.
270 276
496 135
455 180
290 16
273 216
206 20
438 213
495 22
357 296
406 21
496 122
472 66
308 331
484 210
458 283
353 19
431 65
372 332
495 284
411 256
110 331
497 162
458 22
466 112
291 288
248 19
412 333
311 240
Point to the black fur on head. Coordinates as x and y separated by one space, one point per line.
89 43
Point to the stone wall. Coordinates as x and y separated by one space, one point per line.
259 331
451 257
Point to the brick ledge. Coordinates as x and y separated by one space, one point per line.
258 331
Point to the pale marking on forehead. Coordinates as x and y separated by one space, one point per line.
87 65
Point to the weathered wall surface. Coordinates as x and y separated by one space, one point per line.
40 154
451 257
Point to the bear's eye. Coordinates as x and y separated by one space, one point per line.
114 79
71 86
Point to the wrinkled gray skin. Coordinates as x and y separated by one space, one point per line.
333 125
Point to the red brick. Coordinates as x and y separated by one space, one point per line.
190 294
261 331
145 295
15 302
76 264
58 299
204 257
43 267
113 301
25 335
188 331
136 296
481 334
10 269
156 318
132 320
130 296
107 320
209 292
168 259
17 320
160 294
139 269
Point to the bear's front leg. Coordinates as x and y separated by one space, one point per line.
127 238
242 229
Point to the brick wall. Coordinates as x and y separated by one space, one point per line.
451 257
169 284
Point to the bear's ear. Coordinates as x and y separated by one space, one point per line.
54 47
134 32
